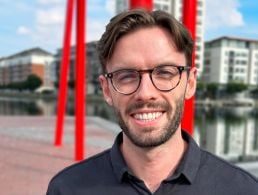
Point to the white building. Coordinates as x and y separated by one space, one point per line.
230 59
174 7
16 68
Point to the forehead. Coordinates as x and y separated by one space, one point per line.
145 47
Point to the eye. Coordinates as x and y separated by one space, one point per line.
126 76
165 72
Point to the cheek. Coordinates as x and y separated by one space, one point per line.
120 102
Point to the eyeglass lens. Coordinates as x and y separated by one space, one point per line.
164 78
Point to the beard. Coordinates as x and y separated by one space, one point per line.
143 138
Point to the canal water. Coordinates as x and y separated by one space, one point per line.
231 133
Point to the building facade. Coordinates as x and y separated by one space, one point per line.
93 67
174 7
230 59
16 68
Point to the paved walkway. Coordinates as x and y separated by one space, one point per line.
28 159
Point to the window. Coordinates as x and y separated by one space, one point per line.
242 70
244 54
199 4
166 8
243 62
207 62
231 54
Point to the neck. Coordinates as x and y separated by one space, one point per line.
161 160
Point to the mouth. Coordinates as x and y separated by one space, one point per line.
147 116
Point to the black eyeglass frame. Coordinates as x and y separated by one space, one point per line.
181 69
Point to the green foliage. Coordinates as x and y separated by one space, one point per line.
32 82
233 88
200 86
212 89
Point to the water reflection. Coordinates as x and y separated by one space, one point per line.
231 133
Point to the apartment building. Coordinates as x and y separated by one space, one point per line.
93 66
231 59
16 68
174 7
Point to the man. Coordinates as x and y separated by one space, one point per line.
146 59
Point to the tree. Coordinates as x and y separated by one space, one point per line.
200 86
212 89
32 82
233 88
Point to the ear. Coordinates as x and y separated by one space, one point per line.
105 89
191 84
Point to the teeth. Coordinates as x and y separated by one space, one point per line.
147 116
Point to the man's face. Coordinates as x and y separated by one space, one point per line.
148 117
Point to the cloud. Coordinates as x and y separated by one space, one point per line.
23 30
95 30
47 29
47 25
223 14
99 13
50 2
50 16
110 6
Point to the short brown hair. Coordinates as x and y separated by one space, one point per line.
132 20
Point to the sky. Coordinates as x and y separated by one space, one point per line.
25 24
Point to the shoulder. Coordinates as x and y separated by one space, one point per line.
84 172
224 173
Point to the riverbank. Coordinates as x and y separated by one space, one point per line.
240 102
252 103
48 96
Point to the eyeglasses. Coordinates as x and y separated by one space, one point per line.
165 78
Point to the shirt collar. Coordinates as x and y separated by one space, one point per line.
190 162
117 159
188 166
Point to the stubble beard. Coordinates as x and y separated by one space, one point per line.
167 131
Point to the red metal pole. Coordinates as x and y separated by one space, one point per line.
147 4
80 78
189 20
64 71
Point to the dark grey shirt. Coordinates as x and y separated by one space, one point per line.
199 173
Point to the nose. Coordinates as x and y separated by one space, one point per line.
146 90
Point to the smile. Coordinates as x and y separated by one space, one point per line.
147 116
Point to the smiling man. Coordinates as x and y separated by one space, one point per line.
147 75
